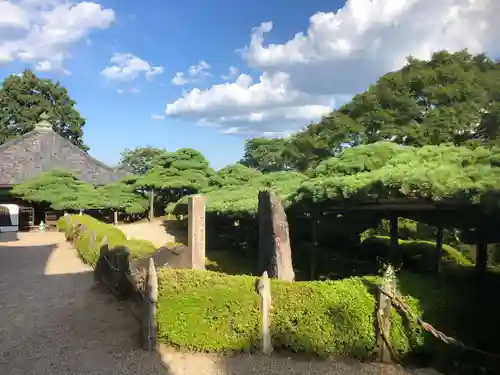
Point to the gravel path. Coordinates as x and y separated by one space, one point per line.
55 320
153 231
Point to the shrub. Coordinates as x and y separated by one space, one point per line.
115 237
417 256
139 248
208 311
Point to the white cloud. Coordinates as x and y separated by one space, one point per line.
341 53
127 67
42 32
157 117
130 90
232 73
194 73
179 79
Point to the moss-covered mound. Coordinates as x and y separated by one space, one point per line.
208 311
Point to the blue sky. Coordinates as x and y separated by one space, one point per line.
303 77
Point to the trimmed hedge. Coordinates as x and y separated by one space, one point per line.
417 256
115 237
208 311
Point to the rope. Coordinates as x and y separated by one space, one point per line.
387 341
398 302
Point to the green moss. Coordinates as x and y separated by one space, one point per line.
230 262
417 256
208 311
139 248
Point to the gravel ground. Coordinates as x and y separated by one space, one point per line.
154 232
56 321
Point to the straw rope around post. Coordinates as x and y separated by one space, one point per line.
385 351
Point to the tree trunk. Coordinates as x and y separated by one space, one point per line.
151 205
395 251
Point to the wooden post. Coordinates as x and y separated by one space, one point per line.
196 231
394 234
439 249
383 314
264 287
314 249
73 232
481 257
150 300
151 205
92 239
275 253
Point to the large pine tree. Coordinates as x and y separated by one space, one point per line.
25 97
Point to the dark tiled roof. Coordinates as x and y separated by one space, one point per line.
42 150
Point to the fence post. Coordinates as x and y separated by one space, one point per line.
264 288
74 227
383 314
92 240
150 299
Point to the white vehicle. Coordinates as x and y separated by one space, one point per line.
9 218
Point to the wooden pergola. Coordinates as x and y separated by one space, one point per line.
476 221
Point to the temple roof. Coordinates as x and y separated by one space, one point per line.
42 150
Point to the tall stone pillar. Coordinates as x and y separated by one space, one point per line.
196 231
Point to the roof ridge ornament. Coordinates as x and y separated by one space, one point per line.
44 124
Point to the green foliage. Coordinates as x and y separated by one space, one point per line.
368 172
412 230
140 248
208 311
417 255
122 197
175 174
24 98
430 172
140 160
115 237
359 159
243 199
453 97
62 189
234 175
229 262
265 155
